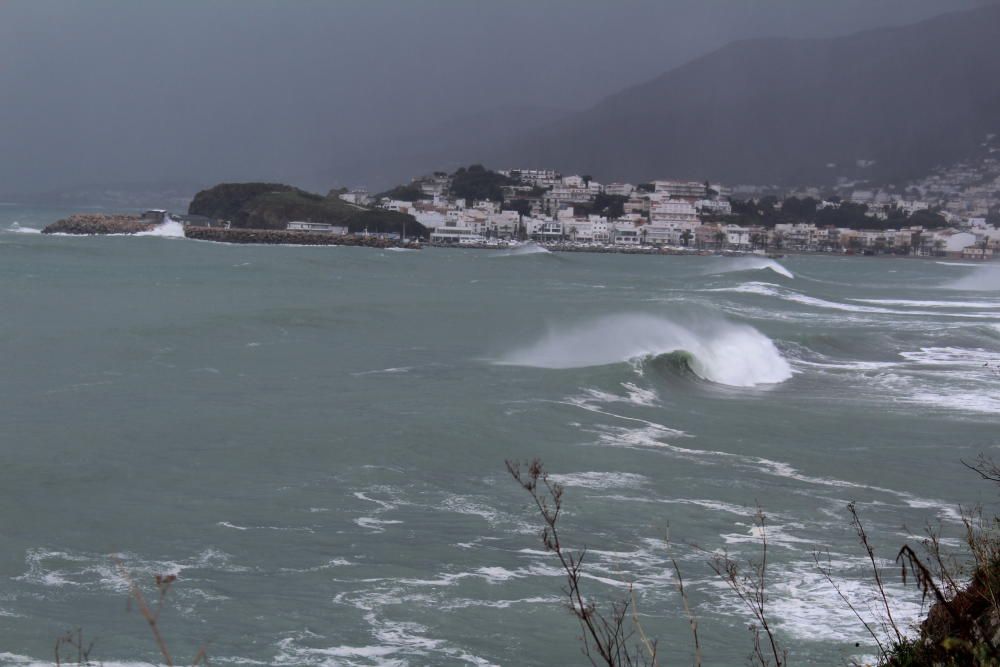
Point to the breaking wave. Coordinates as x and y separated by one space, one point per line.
983 279
723 352
169 228
525 249
18 229
752 264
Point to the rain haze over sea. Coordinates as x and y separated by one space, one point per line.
313 441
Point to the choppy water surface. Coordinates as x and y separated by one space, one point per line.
313 440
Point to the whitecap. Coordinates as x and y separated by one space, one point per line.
169 228
601 480
17 228
524 250
723 352
751 264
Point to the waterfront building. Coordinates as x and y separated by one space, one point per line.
303 226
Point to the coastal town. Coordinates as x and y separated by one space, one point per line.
952 213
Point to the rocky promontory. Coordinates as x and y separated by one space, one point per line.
99 223
277 236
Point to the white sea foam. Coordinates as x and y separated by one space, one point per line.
385 371
375 525
724 352
169 228
953 356
524 249
769 289
750 264
635 394
601 480
807 606
986 278
294 529
931 304
17 228
471 507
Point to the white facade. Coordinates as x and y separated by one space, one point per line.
619 189
301 226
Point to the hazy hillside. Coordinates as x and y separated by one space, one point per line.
273 205
782 110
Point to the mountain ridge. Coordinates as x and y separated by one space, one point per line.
779 110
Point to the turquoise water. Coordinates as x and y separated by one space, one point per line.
313 440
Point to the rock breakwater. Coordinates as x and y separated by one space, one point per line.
268 236
99 223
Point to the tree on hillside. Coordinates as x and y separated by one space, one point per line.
522 206
477 183
409 193
799 210
928 219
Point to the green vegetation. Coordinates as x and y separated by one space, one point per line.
766 212
273 206
403 193
226 200
611 206
479 183
522 206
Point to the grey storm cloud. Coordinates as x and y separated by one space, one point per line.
330 93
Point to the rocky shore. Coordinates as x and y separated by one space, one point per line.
270 237
99 223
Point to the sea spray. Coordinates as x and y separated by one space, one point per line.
719 351
169 228
524 249
985 278
732 265
18 229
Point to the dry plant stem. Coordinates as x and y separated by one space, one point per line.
863 536
826 575
163 585
608 636
692 621
909 561
200 658
649 645
752 591
75 642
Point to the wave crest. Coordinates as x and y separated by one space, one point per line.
752 264
718 351
524 249
169 228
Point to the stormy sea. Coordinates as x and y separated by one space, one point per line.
313 441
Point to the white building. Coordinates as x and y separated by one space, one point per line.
619 189
664 211
691 190
301 226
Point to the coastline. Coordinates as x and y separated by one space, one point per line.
285 237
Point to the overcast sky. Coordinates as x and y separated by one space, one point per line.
101 91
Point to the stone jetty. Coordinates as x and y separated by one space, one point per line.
99 223
275 236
